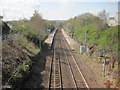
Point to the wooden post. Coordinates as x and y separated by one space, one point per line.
104 72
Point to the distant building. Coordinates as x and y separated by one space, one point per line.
114 21
117 18
111 22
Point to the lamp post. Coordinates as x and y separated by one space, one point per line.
40 39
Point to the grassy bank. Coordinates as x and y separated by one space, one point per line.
20 51
17 60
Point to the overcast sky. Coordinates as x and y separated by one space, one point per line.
54 9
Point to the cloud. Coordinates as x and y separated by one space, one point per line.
15 9
63 11
95 11
79 0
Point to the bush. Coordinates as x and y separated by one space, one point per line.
109 39
90 36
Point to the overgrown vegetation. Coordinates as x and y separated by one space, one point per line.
18 54
33 29
94 30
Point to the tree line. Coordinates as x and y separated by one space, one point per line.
95 30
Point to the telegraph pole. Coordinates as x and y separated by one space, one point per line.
40 40
83 47
86 32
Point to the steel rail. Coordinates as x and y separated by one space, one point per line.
50 74
60 69
55 70
73 77
77 66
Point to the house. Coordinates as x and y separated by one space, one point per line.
111 21
117 18
114 21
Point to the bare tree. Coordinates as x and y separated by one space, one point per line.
103 15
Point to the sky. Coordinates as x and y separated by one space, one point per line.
54 9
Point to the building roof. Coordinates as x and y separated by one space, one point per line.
111 17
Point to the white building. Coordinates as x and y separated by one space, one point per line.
117 18
111 22
114 21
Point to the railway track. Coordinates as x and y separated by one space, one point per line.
55 74
70 68
79 79
75 74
